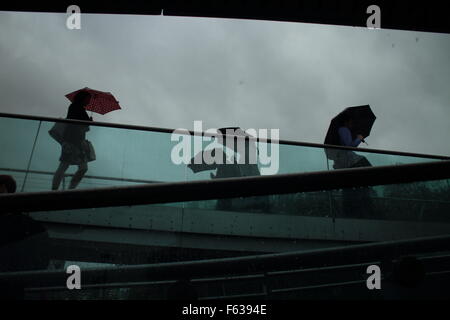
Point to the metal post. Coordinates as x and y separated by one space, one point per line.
31 157
330 198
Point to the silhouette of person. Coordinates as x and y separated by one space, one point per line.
7 184
75 150
235 168
242 163
356 203
347 158
244 168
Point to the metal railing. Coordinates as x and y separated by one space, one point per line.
224 188
67 175
247 265
168 130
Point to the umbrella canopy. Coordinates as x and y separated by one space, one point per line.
363 120
197 163
100 102
236 130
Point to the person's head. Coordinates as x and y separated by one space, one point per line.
82 98
7 184
232 138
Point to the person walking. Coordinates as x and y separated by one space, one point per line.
75 149
356 203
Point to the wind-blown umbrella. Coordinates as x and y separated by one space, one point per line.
100 102
250 146
363 120
198 164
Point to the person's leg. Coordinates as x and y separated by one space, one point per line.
351 203
82 169
368 206
59 174
364 198
356 201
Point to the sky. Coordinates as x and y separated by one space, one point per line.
170 71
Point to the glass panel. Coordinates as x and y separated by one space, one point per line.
16 144
129 157
122 157
351 159
270 222
230 227
419 201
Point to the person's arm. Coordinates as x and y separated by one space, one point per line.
345 137
85 115
70 113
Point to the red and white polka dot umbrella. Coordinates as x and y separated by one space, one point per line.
100 102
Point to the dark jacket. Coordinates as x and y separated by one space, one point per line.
76 133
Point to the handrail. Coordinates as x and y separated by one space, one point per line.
84 177
223 188
167 130
385 251
154 181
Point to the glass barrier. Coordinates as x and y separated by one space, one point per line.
17 138
273 223
128 156
419 201
195 230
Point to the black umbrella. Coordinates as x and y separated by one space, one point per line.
250 146
363 120
198 164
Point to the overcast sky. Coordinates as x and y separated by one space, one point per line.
170 71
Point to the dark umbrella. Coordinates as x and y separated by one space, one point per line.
236 131
239 133
197 163
100 102
363 120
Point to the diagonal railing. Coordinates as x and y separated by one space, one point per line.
169 130
353 254
224 188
